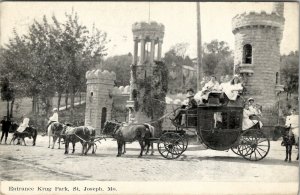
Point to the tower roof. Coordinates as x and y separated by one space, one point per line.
145 30
257 19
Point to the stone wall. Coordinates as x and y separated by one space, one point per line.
98 97
263 32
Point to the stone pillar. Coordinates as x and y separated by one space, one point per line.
152 51
135 51
142 54
159 50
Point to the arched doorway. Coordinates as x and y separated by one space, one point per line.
103 116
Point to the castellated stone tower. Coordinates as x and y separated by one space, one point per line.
257 56
145 35
99 97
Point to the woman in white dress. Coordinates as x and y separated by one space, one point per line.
23 125
232 88
247 122
212 85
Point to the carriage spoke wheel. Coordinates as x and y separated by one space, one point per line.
254 145
236 150
186 142
171 145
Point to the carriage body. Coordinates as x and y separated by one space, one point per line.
219 126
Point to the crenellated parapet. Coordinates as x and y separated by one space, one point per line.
99 76
255 20
148 31
121 90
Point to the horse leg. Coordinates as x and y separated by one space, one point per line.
297 155
66 146
142 147
286 152
34 139
59 142
120 146
290 152
147 143
23 141
152 149
73 143
124 147
49 140
54 140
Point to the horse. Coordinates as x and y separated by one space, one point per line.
29 132
288 140
130 133
83 134
55 130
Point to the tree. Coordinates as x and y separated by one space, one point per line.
217 58
52 57
290 73
121 66
175 60
7 94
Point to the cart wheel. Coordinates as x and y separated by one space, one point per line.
171 145
235 150
254 145
186 142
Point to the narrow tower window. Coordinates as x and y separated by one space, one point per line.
247 54
277 77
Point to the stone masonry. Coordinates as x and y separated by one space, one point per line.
99 97
262 33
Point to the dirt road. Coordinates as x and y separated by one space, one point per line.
196 164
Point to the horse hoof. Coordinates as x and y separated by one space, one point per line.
66 152
48 146
140 156
285 160
118 155
33 145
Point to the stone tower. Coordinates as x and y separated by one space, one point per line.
99 97
257 56
145 35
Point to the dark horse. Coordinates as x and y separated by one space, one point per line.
83 134
29 132
130 133
288 140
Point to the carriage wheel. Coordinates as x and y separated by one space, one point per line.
171 145
186 142
235 150
254 145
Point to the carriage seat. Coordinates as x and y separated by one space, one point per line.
214 97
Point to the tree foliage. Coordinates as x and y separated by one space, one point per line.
52 57
217 59
290 72
121 66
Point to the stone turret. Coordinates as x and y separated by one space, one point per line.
144 33
99 97
257 54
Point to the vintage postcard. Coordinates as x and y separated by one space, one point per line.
149 97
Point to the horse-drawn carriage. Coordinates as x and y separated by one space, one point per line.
219 127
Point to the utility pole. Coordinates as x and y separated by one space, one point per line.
199 49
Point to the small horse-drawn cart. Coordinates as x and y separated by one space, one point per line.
219 127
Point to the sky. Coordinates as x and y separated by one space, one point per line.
179 19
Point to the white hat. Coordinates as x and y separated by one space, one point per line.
189 94
54 109
250 99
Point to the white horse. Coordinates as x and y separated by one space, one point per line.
54 130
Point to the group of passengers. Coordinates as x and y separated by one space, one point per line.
231 88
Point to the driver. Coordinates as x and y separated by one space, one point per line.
191 104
